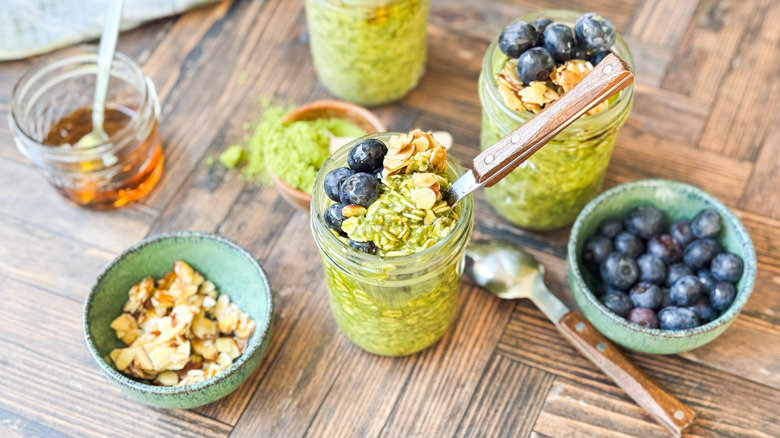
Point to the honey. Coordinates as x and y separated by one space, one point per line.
128 169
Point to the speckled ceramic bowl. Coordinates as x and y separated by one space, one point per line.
677 200
232 269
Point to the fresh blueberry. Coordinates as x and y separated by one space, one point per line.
722 295
378 173
686 291
598 57
580 53
646 295
727 267
665 248
675 272
540 24
643 317
645 221
629 244
703 310
334 218
707 280
666 301
651 269
619 271
367 155
706 224
535 64
699 252
333 181
610 227
596 249
367 247
677 318
360 189
559 41
618 302
680 230
594 32
516 38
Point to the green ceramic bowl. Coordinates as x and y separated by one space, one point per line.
232 269
677 200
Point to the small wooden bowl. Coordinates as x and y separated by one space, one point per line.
359 116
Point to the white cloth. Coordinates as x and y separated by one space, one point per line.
31 27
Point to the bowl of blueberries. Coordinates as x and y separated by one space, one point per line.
660 266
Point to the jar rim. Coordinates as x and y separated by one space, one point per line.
363 260
88 56
491 86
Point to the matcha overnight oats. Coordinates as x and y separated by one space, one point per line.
393 269
551 187
369 52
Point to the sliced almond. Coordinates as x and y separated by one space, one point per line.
353 211
423 198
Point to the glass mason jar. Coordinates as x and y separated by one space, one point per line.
550 188
370 52
51 107
392 306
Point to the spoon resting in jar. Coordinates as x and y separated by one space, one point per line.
510 273
607 79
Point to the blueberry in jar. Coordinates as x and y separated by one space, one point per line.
580 53
618 303
594 32
367 155
367 247
595 250
665 248
629 244
378 173
334 217
596 58
651 269
722 295
680 230
644 317
516 38
704 310
559 41
645 221
706 224
333 181
360 189
540 24
646 295
535 64
677 318
700 252
706 279
619 271
675 272
686 291
727 267
610 227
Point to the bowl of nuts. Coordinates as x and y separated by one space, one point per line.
179 320
659 266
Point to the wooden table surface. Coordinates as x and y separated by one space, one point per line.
707 112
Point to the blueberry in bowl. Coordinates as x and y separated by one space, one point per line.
694 274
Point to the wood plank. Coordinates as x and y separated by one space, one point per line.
99 409
507 401
661 22
749 95
761 195
765 234
26 196
704 54
668 114
652 61
15 426
443 381
724 401
139 43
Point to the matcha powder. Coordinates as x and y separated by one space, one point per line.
294 151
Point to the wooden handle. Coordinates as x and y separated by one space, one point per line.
609 77
667 410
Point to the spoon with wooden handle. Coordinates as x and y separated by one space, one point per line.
609 77
508 272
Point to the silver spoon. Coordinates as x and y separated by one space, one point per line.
105 58
510 273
